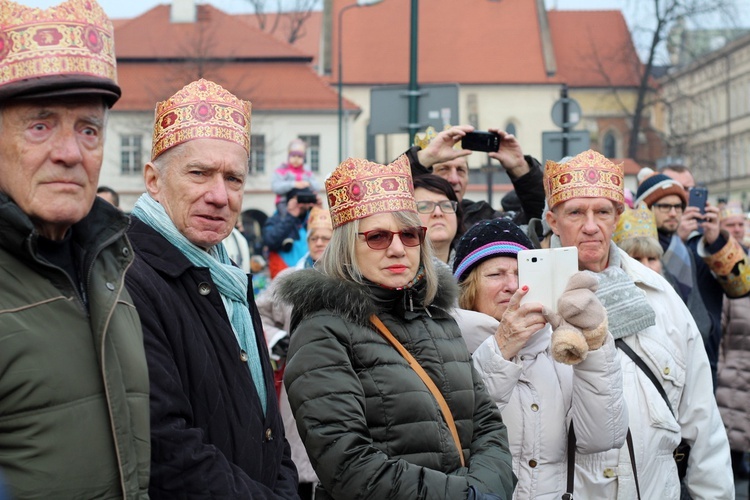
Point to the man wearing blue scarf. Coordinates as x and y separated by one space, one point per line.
216 431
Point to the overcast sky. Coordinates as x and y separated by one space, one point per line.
636 12
131 8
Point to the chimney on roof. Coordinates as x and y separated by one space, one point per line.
183 11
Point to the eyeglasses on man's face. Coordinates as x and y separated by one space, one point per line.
446 206
665 208
380 239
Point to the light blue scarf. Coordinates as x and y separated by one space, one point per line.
230 280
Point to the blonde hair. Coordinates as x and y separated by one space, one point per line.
639 247
339 260
468 290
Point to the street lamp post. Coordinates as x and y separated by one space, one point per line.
413 92
359 3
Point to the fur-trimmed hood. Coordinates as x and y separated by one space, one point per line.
309 291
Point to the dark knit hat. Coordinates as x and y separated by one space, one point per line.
485 240
656 187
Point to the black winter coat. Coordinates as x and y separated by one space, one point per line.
371 427
208 436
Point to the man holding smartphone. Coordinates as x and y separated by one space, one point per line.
704 267
437 154
649 320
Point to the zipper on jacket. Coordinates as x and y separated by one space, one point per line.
78 292
107 395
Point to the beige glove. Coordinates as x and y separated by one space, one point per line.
580 324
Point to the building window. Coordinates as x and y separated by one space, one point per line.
313 151
131 152
257 160
609 145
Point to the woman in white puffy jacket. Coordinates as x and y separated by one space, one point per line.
538 397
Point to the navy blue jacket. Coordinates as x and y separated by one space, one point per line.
209 438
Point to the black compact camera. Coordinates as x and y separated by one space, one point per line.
481 141
307 198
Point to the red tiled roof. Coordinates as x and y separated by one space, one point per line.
594 48
308 41
216 34
472 41
269 86
154 61
482 42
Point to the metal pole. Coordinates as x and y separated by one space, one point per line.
565 119
413 86
341 82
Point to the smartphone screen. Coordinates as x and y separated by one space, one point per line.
481 141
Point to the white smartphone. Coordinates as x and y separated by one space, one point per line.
546 272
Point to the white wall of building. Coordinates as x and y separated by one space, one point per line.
278 128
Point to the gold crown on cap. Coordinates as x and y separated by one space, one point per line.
319 218
73 38
359 188
635 223
586 175
731 209
422 139
201 110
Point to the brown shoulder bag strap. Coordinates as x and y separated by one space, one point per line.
447 415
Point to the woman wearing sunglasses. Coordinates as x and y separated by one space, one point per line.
440 213
378 376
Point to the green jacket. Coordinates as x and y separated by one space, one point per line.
73 381
370 426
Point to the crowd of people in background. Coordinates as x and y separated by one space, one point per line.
391 352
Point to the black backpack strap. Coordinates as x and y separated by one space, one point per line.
645 369
631 451
571 463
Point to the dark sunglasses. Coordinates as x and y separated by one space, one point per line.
380 239
297 154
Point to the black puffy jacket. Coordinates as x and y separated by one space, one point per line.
370 426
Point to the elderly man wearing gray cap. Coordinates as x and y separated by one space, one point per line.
73 375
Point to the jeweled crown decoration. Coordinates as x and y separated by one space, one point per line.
423 139
638 222
731 209
587 175
201 110
73 38
359 188
318 218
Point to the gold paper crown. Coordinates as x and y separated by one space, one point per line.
359 188
68 46
586 175
319 218
201 110
731 209
422 139
634 223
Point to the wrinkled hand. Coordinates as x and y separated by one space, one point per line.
519 323
579 307
510 154
440 149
